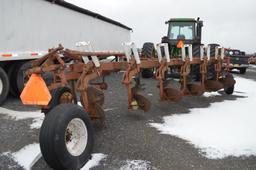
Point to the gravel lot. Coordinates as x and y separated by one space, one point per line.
128 135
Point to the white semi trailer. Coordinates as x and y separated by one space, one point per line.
29 27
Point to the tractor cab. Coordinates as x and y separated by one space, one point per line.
185 30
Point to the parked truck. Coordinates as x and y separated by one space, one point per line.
238 60
36 25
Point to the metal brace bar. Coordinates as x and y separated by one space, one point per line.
166 52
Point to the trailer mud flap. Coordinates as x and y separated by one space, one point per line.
35 92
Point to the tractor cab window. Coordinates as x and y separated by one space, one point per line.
181 30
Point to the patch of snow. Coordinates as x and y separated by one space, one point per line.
30 154
37 123
96 158
137 165
37 116
150 94
27 156
252 66
211 94
21 115
223 129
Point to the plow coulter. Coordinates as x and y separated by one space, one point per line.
66 137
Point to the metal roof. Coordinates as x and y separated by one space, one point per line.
87 12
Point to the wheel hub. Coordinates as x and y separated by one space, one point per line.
66 97
76 137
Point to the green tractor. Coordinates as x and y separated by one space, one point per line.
181 31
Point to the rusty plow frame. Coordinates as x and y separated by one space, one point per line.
78 70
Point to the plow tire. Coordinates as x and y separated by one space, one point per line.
148 50
4 85
57 132
56 96
229 90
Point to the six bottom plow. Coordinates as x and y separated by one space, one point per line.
63 78
77 70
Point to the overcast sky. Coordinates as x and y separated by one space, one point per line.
231 23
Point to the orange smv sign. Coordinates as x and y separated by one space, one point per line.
35 92
180 44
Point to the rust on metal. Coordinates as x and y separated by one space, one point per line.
69 70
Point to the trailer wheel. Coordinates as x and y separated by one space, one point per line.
59 96
12 82
21 77
66 137
148 50
4 85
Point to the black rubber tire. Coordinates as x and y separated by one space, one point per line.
52 138
5 85
11 72
229 90
148 50
242 70
55 101
211 68
21 80
212 49
195 74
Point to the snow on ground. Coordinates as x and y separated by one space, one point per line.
223 129
27 156
252 66
30 154
95 161
137 165
211 94
37 116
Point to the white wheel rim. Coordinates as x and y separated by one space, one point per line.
1 86
76 137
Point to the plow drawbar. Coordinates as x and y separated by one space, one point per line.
63 79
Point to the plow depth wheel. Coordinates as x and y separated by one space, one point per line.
59 96
66 137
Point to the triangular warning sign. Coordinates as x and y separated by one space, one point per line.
180 44
35 92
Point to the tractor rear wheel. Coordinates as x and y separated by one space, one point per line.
211 68
66 137
148 51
